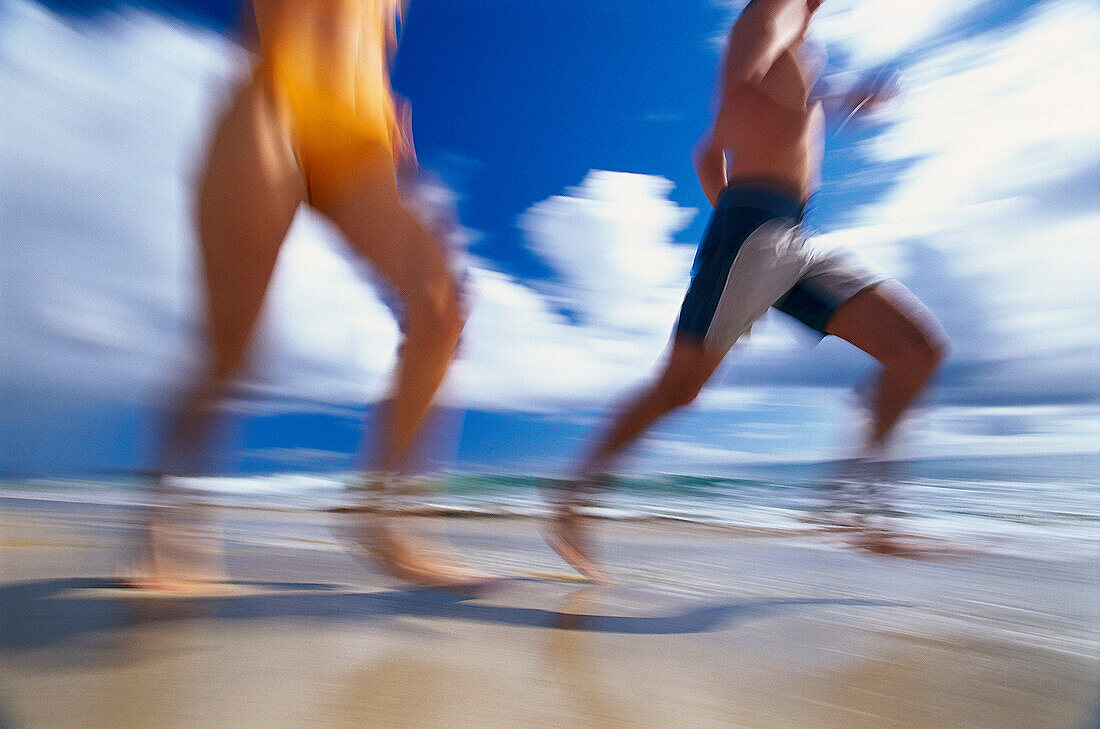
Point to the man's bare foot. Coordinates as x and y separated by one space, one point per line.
567 537
879 541
407 558
910 546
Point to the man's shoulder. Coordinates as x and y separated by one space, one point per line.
775 6
783 11
760 13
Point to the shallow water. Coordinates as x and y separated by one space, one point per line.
1007 504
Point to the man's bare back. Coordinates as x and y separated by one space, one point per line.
767 127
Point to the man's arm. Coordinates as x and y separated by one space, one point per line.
850 100
763 31
710 166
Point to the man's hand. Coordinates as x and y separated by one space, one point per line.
710 166
869 94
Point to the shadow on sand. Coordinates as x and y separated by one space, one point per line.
53 613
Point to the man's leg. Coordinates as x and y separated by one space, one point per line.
690 365
247 198
893 326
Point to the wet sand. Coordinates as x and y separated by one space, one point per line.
707 628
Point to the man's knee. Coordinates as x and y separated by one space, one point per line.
681 386
227 356
689 368
223 370
935 349
920 353
683 393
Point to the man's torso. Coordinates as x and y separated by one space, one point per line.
769 130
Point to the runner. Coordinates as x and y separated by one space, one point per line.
758 164
317 122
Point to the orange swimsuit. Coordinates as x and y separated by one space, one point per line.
328 63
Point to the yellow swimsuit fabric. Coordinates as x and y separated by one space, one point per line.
328 62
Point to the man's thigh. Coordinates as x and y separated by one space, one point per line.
887 322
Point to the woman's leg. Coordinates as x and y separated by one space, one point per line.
414 261
246 201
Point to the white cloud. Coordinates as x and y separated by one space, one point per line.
1010 430
94 194
610 239
693 457
518 352
994 219
103 269
871 33
1001 138
868 33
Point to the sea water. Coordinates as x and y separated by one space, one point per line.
1017 504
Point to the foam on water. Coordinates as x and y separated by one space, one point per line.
1028 516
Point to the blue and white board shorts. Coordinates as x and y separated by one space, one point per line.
755 255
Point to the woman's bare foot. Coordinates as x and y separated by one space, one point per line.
413 560
153 583
173 555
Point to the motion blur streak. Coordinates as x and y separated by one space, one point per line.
558 133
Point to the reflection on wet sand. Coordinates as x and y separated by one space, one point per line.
150 632
6 722
414 689
932 682
578 671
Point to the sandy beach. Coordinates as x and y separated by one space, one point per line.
706 628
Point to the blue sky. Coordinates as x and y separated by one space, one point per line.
559 132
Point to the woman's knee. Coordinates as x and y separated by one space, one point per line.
433 301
